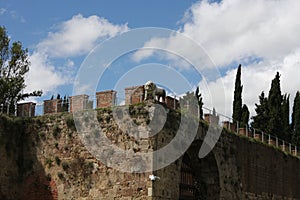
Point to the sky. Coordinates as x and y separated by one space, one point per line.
209 40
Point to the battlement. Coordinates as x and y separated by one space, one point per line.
104 99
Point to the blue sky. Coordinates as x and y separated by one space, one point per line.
263 35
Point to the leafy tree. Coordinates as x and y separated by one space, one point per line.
295 126
200 102
275 124
14 64
286 117
245 115
262 113
237 101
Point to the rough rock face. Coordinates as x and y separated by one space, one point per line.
44 158
51 157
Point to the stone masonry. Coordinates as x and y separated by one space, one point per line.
52 106
79 102
45 157
26 109
106 98
172 102
135 94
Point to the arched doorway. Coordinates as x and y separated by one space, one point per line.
187 180
199 178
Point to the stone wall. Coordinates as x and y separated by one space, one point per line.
45 157
172 102
106 98
135 94
26 109
80 102
52 106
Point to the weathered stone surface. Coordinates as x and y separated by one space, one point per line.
46 157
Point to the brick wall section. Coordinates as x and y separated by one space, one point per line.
106 98
26 109
269 173
170 102
134 94
79 102
52 106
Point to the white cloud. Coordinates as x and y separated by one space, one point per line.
255 79
43 75
2 11
78 36
238 31
73 37
235 29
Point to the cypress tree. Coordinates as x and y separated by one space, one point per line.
275 124
295 126
245 115
286 117
237 101
262 113
200 102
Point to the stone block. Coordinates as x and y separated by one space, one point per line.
106 98
26 109
135 94
172 102
79 102
52 106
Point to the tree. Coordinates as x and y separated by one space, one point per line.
262 114
286 117
14 64
237 101
295 126
245 115
200 102
65 104
275 124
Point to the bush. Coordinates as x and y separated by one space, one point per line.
70 122
56 131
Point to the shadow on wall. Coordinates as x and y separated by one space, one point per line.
22 175
199 177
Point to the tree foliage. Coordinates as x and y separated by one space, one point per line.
237 101
262 113
286 117
275 125
295 126
200 102
245 115
14 64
